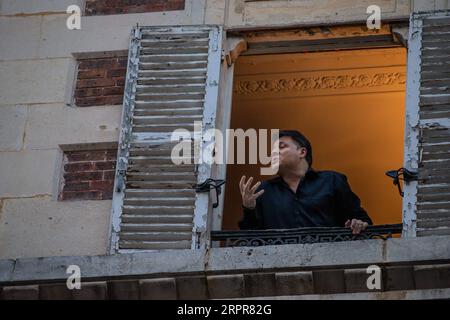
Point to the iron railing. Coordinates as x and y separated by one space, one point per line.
252 238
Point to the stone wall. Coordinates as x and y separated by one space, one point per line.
38 76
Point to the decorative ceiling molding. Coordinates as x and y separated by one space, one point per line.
323 82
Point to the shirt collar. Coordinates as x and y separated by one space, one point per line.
310 173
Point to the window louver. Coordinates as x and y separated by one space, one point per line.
428 124
172 81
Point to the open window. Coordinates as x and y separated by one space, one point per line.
344 88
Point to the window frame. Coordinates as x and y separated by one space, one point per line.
408 203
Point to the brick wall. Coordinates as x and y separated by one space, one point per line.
103 7
100 81
88 175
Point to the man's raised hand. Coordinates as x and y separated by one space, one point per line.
248 192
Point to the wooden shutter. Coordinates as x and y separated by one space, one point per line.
427 201
172 81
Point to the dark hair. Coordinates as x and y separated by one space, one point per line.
301 140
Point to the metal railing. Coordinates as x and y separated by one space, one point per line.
252 238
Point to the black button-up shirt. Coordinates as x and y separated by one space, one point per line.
323 199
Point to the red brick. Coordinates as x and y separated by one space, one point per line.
79 166
82 195
107 195
73 156
112 91
91 73
93 83
98 92
111 154
120 82
106 185
122 62
88 92
106 165
109 174
99 101
119 72
102 63
90 101
83 176
78 186
89 174
113 100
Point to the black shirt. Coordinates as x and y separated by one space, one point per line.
323 199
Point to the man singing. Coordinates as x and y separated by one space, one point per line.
300 196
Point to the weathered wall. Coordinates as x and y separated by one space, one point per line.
37 75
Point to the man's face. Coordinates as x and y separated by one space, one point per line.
286 154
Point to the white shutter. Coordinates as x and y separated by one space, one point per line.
427 201
172 81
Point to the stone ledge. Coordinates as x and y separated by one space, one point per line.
318 283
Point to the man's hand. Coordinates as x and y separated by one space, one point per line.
248 193
356 225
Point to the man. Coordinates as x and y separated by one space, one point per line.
300 196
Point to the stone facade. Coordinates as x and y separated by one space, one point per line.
48 72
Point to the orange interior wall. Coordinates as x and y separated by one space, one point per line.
356 129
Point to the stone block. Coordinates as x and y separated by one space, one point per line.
123 290
55 292
329 281
91 291
21 293
158 289
432 276
192 288
399 278
356 280
226 286
12 127
260 284
294 283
